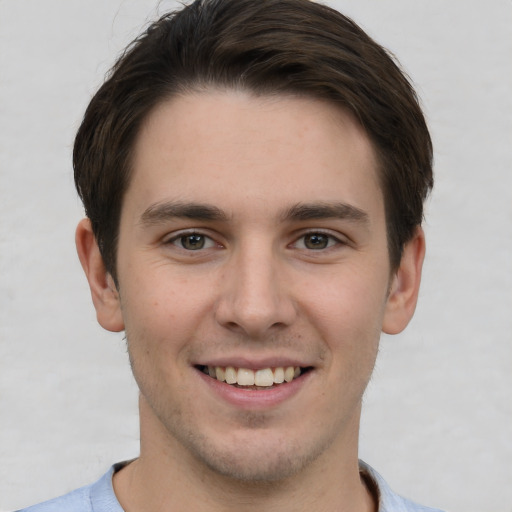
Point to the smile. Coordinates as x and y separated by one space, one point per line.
253 379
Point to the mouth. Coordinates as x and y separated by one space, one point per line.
247 378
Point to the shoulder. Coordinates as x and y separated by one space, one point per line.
388 500
77 500
97 497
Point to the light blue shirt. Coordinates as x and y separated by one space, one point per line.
100 497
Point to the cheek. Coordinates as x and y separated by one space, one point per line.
157 292
162 313
355 299
348 314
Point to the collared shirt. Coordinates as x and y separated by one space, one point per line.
100 496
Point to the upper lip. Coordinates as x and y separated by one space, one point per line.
253 363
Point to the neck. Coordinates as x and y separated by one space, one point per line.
167 477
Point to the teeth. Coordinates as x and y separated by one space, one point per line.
245 377
266 377
220 373
231 375
279 375
288 374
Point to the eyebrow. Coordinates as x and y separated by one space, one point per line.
162 212
323 210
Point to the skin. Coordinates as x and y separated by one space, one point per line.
257 291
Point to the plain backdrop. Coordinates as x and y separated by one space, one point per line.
437 420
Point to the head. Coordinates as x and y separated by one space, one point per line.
254 173
268 48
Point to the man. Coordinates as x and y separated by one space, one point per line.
253 174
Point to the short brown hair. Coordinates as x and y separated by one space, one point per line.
267 47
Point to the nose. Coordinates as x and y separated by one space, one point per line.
255 294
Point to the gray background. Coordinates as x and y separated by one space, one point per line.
438 414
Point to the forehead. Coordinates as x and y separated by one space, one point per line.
231 146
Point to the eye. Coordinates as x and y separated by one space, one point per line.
316 241
192 241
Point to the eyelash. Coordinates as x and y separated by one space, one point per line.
208 240
332 240
189 234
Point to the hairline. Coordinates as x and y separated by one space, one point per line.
201 87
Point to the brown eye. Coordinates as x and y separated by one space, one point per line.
192 242
316 241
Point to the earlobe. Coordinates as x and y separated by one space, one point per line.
405 285
105 296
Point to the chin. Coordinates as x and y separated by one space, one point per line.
255 469
257 459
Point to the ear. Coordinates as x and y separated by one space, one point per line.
405 285
105 296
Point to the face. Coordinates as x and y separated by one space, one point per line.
252 249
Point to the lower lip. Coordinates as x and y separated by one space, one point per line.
254 399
